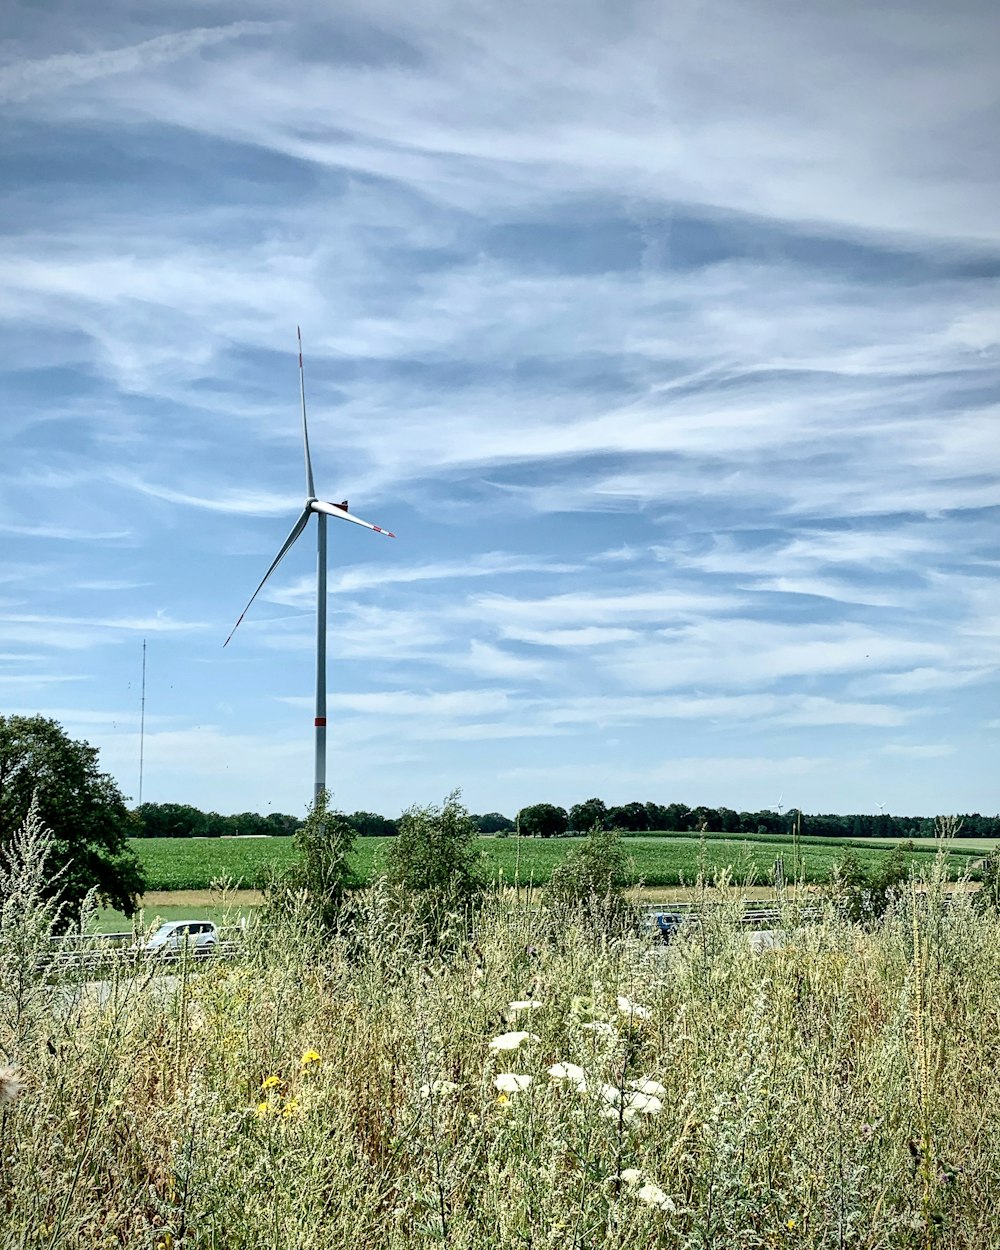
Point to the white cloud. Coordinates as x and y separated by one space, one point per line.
673 361
490 662
510 105
237 502
24 79
920 751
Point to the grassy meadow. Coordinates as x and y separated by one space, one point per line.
659 859
546 1086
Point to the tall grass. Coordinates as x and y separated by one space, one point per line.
841 1090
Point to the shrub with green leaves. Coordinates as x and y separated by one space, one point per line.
866 894
591 881
314 885
434 862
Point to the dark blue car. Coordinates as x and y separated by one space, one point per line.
667 924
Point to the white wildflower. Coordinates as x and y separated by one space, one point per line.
653 1196
511 1082
625 1114
645 1104
511 1041
437 1087
611 1094
628 1008
645 1086
631 1176
571 1073
601 1028
525 1004
11 1084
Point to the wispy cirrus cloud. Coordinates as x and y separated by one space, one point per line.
675 369
62 72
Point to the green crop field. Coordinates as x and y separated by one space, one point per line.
196 863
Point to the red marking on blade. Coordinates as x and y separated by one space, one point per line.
320 722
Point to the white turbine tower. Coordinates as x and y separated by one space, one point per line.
322 509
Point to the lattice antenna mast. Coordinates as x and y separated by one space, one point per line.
142 721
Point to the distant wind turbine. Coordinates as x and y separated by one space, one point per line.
322 509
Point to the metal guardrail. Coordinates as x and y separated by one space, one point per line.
71 958
751 915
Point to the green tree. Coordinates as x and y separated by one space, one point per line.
315 883
82 806
584 816
632 817
676 817
280 825
247 824
543 820
435 852
169 820
592 878
657 816
493 822
371 825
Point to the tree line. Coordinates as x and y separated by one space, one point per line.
182 820
547 820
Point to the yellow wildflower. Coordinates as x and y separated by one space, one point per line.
270 1082
262 1109
790 1223
503 1099
310 1057
290 1109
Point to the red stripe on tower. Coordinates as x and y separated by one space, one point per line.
320 721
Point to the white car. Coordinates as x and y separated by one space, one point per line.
198 937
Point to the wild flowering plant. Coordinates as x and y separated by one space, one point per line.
839 1090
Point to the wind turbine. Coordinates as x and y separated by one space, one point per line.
322 509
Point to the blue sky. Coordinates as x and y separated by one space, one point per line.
665 336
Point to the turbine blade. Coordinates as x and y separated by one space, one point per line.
297 529
310 487
338 510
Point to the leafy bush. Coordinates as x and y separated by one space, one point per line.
313 886
866 894
434 863
591 879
